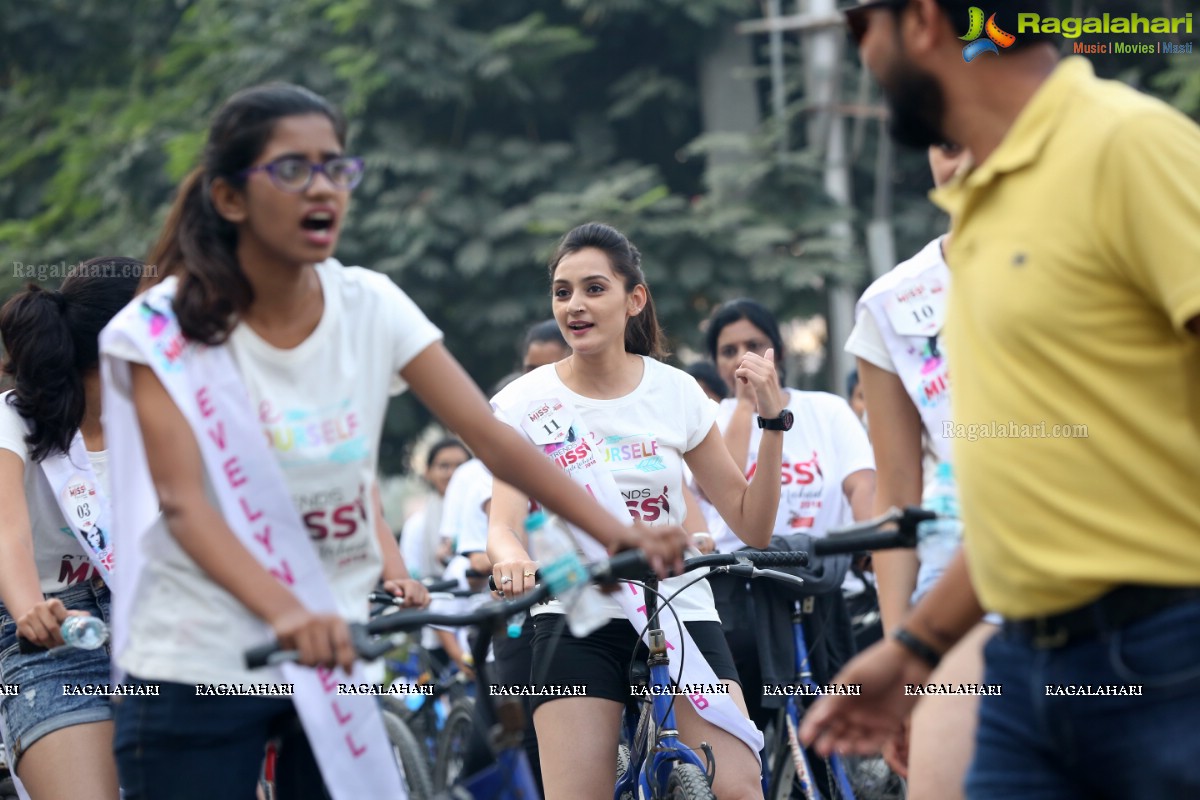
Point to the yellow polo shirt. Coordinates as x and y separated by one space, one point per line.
1076 266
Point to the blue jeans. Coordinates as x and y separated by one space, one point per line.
43 705
186 747
1035 745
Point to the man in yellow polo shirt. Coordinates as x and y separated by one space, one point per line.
1073 334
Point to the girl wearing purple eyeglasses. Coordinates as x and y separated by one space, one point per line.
261 447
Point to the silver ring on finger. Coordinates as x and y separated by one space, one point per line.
505 579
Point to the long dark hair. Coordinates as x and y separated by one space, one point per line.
643 335
757 315
197 243
52 339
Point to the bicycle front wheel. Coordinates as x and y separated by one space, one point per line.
687 782
453 742
410 755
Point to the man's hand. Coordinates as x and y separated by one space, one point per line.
862 724
895 752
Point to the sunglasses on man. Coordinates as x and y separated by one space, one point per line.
858 18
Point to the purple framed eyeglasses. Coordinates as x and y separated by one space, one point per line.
295 174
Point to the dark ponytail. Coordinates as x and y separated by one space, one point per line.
52 339
643 335
197 243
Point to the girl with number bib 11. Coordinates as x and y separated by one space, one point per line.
55 558
622 423
247 393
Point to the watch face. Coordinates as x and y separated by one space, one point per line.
787 419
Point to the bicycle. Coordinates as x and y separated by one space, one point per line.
509 776
439 718
656 764
791 769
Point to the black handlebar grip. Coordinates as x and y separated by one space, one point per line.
776 558
862 542
258 657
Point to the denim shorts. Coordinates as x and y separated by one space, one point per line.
40 705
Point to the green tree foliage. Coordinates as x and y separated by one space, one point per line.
489 129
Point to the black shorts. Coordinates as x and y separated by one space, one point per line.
601 660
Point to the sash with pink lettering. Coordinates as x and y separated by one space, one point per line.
83 504
346 731
558 430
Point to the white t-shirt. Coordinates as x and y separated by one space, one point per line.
641 438
826 444
61 562
419 540
867 343
464 518
321 406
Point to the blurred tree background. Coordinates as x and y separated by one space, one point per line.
488 128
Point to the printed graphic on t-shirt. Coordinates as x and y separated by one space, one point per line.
636 451
303 436
647 504
334 519
75 568
802 484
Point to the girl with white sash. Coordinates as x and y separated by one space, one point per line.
907 386
248 391
55 530
621 422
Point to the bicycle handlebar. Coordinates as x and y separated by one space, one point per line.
870 535
735 561
630 564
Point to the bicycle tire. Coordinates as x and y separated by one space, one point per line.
784 780
687 782
410 755
872 779
452 743
623 767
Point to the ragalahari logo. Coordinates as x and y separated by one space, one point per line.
995 36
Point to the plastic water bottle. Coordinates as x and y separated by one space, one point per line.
565 574
937 539
84 633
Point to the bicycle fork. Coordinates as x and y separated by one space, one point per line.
792 717
656 750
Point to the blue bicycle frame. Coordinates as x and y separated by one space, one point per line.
510 778
793 714
652 759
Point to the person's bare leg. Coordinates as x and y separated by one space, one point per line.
577 740
738 774
942 734
75 762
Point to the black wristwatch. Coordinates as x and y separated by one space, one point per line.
781 423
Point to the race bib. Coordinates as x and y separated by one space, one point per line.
546 422
917 307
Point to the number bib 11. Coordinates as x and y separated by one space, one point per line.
546 422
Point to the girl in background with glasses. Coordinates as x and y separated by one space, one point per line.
246 253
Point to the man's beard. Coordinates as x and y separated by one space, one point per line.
916 104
